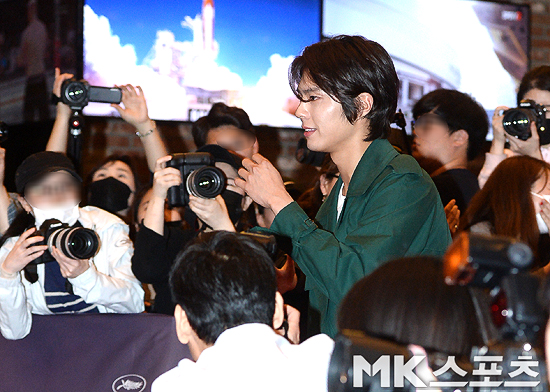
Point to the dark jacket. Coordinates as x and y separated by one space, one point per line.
392 210
153 257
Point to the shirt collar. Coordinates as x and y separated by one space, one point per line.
377 156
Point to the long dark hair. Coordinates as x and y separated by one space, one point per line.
505 202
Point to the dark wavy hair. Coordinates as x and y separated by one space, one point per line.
345 67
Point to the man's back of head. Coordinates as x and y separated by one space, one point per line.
224 280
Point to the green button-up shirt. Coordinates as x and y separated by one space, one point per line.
392 209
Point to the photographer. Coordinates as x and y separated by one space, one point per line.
535 85
113 182
49 188
383 204
227 308
158 243
227 126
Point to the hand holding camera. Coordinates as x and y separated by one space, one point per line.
213 212
135 110
164 178
63 110
526 123
69 267
25 251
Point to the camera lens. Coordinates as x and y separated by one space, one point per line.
76 243
516 122
206 182
75 92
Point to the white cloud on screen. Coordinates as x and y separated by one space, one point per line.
267 102
108 63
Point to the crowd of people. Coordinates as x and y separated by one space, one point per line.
360 250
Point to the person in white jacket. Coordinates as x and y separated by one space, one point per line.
49 188
227 309
535 85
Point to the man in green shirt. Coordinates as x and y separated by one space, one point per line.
384 206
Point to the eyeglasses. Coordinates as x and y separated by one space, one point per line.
50 190
428 120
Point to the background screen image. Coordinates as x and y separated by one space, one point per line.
188 55
477 47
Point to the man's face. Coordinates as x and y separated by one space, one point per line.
326 127
432 138
55 189
232 138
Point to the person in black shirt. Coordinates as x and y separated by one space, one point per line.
449 130
158 242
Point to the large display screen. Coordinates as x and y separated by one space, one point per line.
187 55
478 47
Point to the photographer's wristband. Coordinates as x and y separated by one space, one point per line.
54 99
150 131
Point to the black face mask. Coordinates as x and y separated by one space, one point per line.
109 194
545 136
234 203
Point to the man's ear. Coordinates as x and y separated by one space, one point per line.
364 102
256 147
24 203
183 328
279 315
323 184
460 138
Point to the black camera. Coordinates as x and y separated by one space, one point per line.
517 121
74 242
199 176
507 302
78 93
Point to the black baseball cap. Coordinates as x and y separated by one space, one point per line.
38 165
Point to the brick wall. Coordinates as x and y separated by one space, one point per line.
109 136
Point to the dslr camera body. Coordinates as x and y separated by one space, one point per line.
199 176
517 121
78 93
74 242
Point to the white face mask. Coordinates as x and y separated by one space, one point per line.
543 227
67 213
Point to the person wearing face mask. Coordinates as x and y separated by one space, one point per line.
158 242
49 188
113 183
535 85
515 203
